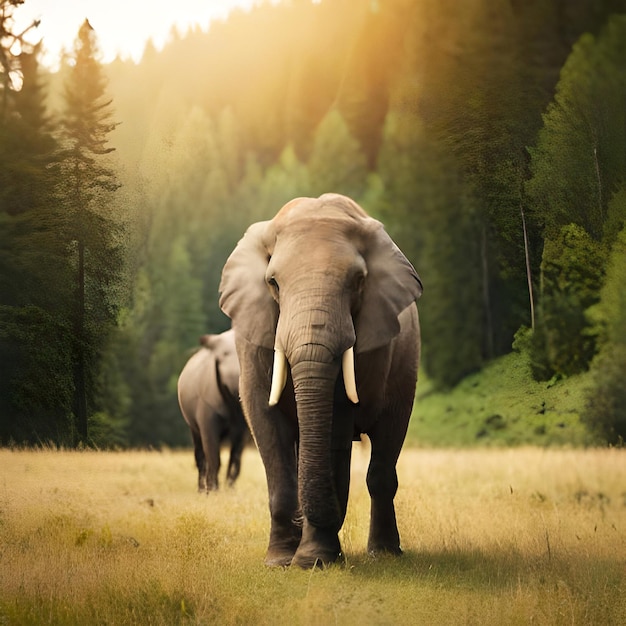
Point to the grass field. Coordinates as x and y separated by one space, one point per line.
501 405
497 536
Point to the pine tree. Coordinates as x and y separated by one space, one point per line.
425 210
164 326
35 393
605 410
9 61
579 159
93 231
337 163
578 165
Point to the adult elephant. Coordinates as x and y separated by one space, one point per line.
318 290
208 395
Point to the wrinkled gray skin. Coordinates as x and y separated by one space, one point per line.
208 395
317 279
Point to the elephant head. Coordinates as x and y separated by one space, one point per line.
222 347
321 276
318 284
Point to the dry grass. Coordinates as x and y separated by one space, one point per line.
491 537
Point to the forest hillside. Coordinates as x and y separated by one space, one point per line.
487 137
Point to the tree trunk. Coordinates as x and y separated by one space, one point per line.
80 384
528 272
486 294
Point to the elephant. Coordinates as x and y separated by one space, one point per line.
208 396
323 304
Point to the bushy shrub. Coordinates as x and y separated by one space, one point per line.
605 410
563 342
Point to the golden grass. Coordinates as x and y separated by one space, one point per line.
524 536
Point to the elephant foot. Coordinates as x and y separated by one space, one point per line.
319 547
378 545
280 556
282 547
378 550
207 485
317 560
278 559
383 536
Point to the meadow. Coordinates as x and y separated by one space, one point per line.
491 536
502 405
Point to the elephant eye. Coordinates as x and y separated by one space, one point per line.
359 282
274 288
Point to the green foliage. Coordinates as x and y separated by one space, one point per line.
408 107
36 385
616 216
502 405
150 352
427 213
572 270
92 231
35 369
577 166
62 251
605 410
479 112
337 163
579 158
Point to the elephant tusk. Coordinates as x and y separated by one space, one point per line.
279 377
349 380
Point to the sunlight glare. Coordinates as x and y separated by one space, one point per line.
123 28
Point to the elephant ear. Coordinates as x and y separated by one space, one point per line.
244 295
392 284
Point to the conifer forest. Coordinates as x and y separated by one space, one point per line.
489 138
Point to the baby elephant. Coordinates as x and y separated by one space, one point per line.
208 395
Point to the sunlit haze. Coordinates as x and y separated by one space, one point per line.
122 26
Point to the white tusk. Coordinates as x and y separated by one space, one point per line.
349 380
279 377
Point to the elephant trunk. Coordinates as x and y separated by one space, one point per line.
314 383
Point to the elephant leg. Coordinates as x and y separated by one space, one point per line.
382 484
200 460
318 547
234 462
341 474
276 437
280 462
387 437
276 440
211 441
341 449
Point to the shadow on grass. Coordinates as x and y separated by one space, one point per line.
477 569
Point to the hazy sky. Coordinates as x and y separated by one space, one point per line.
122 26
